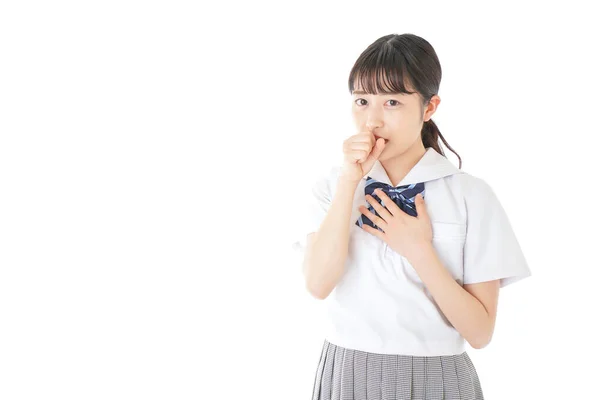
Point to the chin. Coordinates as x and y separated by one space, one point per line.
384 155
391 153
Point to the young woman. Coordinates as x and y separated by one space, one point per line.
408 251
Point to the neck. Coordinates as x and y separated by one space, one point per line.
398 166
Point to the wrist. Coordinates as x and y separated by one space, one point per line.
422 252
348 181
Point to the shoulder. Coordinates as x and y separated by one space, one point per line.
334 173
324 183
329 177
478 196
472 187
329 174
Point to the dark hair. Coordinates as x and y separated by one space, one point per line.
394 62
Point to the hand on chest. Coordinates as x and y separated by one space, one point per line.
441 222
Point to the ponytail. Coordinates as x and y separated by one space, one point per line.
429 135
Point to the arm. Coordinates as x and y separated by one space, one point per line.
471 310
327 249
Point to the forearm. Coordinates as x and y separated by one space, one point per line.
465 312
326 257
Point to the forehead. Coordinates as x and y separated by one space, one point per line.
362 92
381 88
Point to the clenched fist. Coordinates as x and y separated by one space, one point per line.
360 153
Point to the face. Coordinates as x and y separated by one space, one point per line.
398 118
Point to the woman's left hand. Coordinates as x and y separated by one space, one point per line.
405 234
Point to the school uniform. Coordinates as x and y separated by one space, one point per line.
385 337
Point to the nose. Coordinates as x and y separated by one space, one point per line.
373 121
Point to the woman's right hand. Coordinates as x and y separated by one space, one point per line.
360 153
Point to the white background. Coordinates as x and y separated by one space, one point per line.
153 156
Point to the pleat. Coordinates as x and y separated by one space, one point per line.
389 376
338 365
418 380
374 362
434 385
404 381
474 376
347 374
347 381
360 375
328 373
465 384
450 377
319 373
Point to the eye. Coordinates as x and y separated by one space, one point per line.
395 102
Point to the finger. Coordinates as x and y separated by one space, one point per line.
420 206
381 143
357 155
367 213
359 146
373 231
391 206
374 218
377 150
383 213
365 137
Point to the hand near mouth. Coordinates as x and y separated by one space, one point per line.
360 153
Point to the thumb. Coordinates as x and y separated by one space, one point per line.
375 153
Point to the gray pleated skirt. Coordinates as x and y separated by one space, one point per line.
346 374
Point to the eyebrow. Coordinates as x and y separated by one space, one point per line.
386 94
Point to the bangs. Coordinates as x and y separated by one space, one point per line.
380 72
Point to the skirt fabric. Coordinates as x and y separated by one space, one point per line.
346 374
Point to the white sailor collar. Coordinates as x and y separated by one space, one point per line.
431 166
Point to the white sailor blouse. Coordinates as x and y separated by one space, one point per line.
380 304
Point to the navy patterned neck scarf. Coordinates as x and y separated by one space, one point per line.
403 196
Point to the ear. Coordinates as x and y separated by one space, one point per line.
431 108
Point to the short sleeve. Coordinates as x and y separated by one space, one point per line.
491 249
314 209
